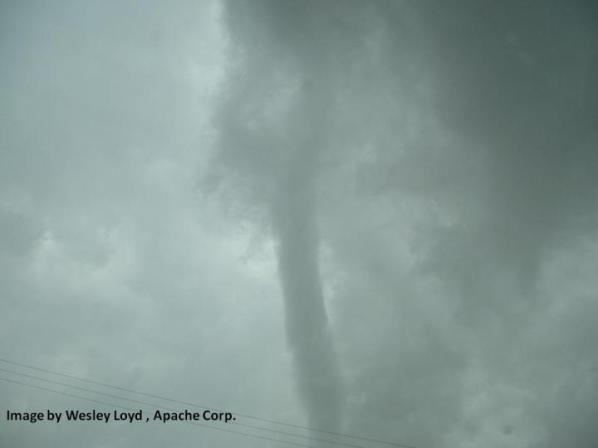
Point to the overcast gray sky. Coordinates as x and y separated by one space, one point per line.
372 217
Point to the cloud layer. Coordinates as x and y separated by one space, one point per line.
417 178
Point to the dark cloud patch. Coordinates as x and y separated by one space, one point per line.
454 166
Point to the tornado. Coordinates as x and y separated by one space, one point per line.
278 156
294 213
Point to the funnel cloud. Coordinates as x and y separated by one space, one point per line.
373 217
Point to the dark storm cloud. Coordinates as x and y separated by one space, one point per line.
404 228
455 167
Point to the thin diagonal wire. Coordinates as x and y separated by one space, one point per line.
160 397
105 403
145 403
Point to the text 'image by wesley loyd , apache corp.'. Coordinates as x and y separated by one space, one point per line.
73 415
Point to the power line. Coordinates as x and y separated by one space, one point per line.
171 400
145 403
105 403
